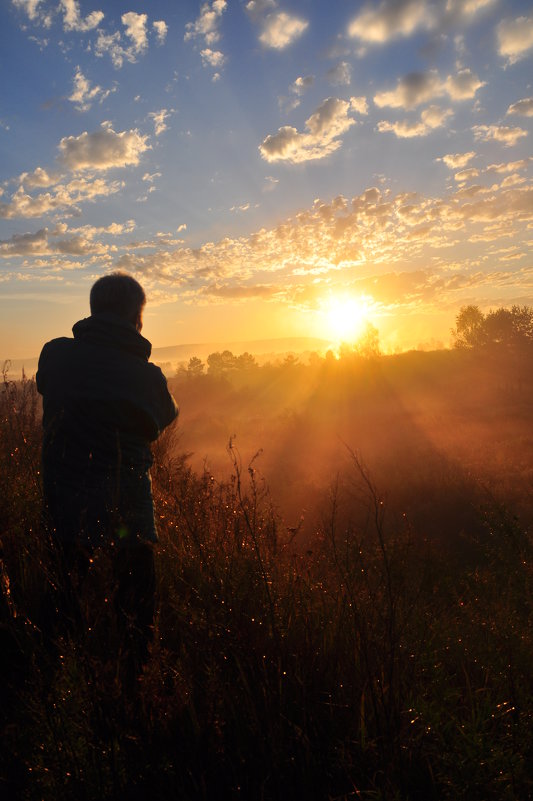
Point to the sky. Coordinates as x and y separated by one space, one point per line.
265 168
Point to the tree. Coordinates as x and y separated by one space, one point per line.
502 327
218 363
195 367
469 327
368 343
245 361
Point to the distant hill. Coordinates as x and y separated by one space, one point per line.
263 349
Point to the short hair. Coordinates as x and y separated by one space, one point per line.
118 293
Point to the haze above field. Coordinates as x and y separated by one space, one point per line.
265 168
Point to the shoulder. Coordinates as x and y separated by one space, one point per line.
59 345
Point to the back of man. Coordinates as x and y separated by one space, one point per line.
103 404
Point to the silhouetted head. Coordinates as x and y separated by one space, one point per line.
120 294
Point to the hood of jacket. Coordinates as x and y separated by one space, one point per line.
114 332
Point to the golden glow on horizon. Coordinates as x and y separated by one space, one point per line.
345 317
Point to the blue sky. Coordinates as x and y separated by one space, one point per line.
258 164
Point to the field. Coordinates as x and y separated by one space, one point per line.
346 615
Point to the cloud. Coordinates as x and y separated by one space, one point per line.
431 118
135 25
498 133
359 104
515 38
393 19
457 160
62 241
207 24
301 84
341 75
411 91
240 292
270 183
522 107
466 175
136 30
83 95
102 150
463 86
72 21
281 29
160 118
35 13
212 58
390 20
64 197
324 128
418 87
31 7
258 8
376 243
510 166
161 29
38 178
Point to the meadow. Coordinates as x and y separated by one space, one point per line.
345 593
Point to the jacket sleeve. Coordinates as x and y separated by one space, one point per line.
166 407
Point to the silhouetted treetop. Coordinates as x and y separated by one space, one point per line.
513 326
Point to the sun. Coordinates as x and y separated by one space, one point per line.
345 317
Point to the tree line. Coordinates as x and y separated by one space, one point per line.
502 327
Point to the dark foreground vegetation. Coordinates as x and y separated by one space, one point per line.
386 654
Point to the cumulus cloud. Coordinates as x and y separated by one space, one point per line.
83 94
161 28
524 107
102 150
136 31
463 86
212 58
72 20
207 24
160 120
515 38
498 133
206 27
418 87
456 161
411 91
38 178
393 19
341 75
324 129
359 104
390 20
65 197
431 118
60 240
280 29
135 25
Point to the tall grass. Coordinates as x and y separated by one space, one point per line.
364 663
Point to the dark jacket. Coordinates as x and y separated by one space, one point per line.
103 404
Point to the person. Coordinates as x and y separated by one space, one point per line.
103 405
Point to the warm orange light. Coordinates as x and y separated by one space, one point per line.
345 317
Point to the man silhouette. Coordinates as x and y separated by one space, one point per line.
103 404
